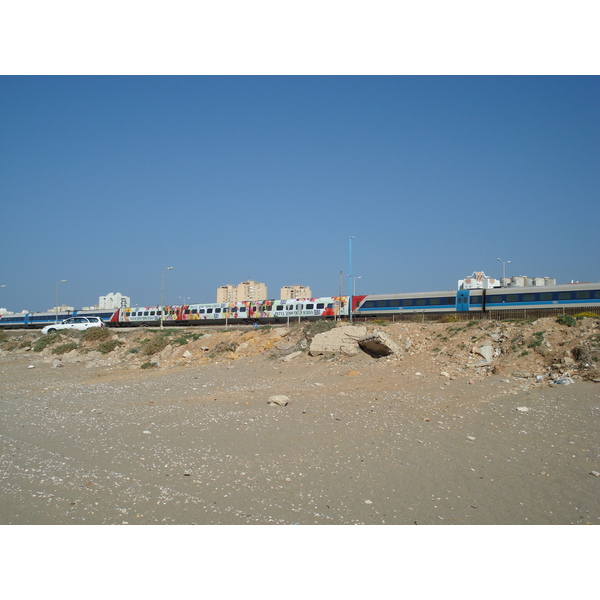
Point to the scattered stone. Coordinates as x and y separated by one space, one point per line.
522 409
595 473
278 400
31 367
470 437
291 356
187 354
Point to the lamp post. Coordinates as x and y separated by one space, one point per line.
162 295
504 263
350 274
56 307
354 285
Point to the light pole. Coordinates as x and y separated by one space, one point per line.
350 274
56 307
504 263
162 295
354 285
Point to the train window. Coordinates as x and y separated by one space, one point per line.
381 303
242 309
407 302
217 310
475 299
279 307
152 313
420 301
194 311
597 294
209 311
299 307
310 306
368 304
512 297
564 295
582 295
434 301
289 307
395 303
528 297
201 311
450 300
330 305
320 306
146 313
545 296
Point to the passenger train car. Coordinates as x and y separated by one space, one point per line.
41 319
262 311
580 296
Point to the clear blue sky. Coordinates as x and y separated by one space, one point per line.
105 181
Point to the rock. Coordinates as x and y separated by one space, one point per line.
341 340
278 400
31 367
521 374
486 351
187 354
378 344
291 356
595 473
522 409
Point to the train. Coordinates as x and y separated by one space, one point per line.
584 297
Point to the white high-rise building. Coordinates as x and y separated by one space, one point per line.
247 290
289 292
114 301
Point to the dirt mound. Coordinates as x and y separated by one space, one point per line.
544 349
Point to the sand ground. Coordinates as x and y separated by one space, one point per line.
362 441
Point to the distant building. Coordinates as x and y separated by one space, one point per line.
479 280
247 290
61 308
114 301
289 292
524 281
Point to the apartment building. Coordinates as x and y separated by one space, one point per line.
289 292
247 290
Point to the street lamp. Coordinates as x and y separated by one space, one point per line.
504 263
350 274
56 307
162 295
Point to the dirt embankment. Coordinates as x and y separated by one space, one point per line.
546 350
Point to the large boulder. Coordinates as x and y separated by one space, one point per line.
379 344
341 340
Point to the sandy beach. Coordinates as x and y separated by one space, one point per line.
387 441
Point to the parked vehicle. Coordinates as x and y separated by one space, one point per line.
78 323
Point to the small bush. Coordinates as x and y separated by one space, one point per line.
64 348
538 338
154 345
46 340
567 320
449 319
96 334
149 365
588 315
109 345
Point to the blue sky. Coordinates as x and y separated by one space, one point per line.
105 181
